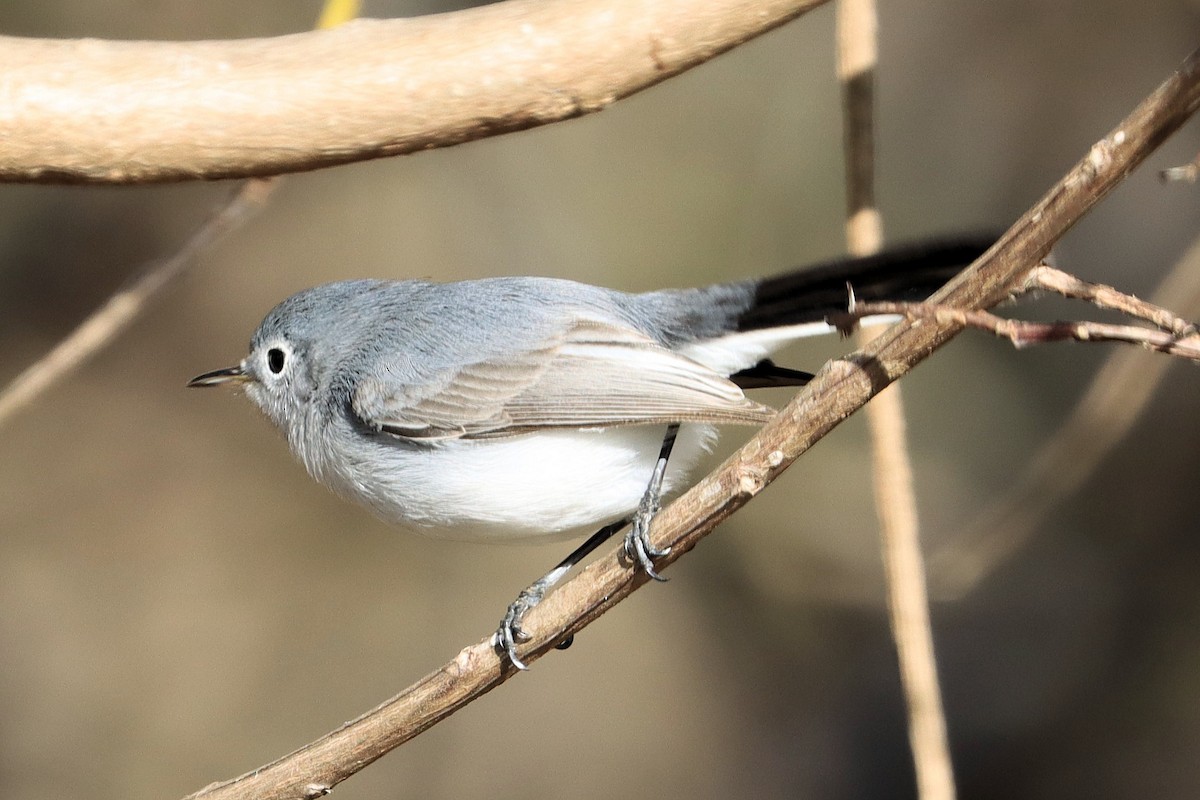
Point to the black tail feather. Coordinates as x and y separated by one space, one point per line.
907 272
766 374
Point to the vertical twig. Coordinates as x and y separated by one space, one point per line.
858 56
895 498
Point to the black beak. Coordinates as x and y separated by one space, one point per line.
219 377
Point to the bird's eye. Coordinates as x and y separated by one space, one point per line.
275 359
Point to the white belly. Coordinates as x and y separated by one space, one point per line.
552 484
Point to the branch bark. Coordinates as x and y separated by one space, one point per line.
89 111
838 390
1054 280
1023 333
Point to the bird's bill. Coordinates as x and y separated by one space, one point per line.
219 377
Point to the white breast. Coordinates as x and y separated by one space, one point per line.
548 485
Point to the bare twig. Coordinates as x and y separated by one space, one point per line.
1023 333
1054 280
120 310
134 112
838 390
895 495
1115 399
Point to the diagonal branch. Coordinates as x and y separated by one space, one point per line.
108 321
837 391
89 111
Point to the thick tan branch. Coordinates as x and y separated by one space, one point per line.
837 391
104 324
93 111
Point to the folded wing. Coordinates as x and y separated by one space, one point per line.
595 374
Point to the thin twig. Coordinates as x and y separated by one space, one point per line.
134 112
1023 333
837 391
892 476
1114 401
120 310
1054 280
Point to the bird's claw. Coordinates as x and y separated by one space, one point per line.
638 547
509 634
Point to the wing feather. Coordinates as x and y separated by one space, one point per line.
594 374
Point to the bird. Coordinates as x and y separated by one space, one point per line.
531 408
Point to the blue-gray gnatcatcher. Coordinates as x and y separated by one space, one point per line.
521 408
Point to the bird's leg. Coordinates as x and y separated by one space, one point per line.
637 547
509 635
637 542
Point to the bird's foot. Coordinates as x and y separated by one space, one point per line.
509 634
638 547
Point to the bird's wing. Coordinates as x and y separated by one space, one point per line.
594 374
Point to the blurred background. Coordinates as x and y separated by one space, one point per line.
179 603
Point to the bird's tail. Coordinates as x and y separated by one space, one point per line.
905 273
734 327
